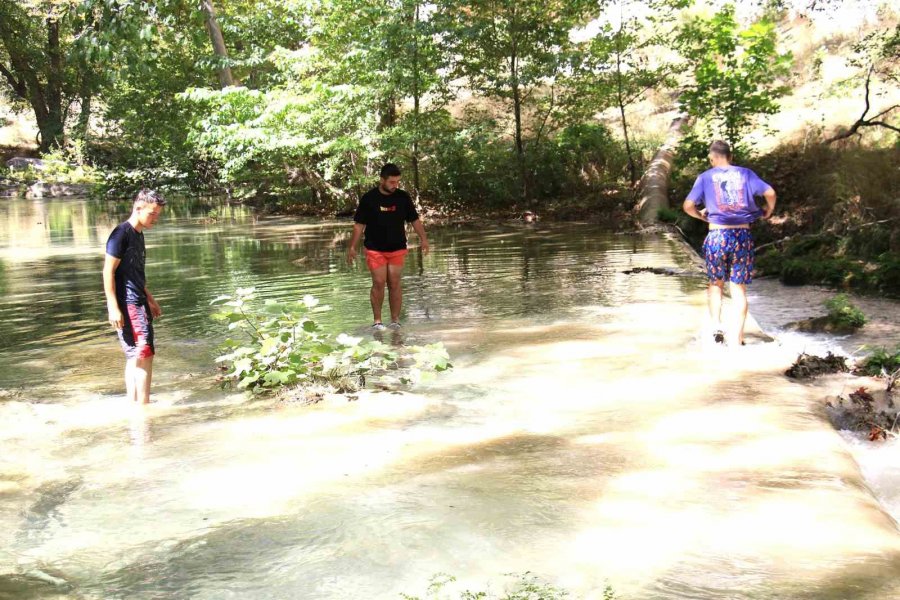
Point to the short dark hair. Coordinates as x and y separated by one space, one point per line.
390 170
148 196
721 148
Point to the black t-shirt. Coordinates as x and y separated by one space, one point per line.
385 218
127 244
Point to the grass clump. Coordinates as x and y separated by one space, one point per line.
881 362
843 313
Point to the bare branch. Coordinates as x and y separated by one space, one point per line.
862 121
885 111
18 86
883 124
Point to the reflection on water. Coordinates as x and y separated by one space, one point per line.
586 433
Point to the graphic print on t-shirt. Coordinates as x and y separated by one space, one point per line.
729 186
391 208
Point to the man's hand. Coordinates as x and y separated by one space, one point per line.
155 310
115 317
351 254
425 247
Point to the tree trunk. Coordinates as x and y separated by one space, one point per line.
655 183
84 117
52 129
520 146
218 43
416 104
41 85
620 97
388 113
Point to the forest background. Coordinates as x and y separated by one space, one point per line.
491 107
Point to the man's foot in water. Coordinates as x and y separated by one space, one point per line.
378 326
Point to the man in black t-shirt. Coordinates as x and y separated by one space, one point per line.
130 304
382 214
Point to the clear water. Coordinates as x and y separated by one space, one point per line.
587 433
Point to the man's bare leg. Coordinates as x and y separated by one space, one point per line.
714 301
395 291
739 299
376 294
143 373
130 387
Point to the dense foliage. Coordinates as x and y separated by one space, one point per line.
484 104
736 73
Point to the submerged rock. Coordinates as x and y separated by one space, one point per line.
11 191
654 270
808 365
873 413
22 163
821 325
38 190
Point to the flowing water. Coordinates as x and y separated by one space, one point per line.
588 432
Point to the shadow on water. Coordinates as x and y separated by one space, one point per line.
45 510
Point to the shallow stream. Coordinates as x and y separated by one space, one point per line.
588 433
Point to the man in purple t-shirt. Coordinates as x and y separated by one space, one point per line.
727 192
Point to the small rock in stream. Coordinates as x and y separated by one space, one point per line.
808 365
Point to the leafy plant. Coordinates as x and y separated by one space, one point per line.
284 346
881 362
526 587
735 71
843 312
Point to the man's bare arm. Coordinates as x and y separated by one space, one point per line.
419 228
691 209
110 264
152 304
358 229
769 195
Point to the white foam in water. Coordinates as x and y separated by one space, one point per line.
880 465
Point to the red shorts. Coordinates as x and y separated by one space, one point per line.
376 259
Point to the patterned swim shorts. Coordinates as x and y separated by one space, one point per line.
136 336
729 255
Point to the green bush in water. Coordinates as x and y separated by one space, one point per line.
881 362
284 346
843 313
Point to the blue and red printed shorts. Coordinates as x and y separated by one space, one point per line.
729 255
136 336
